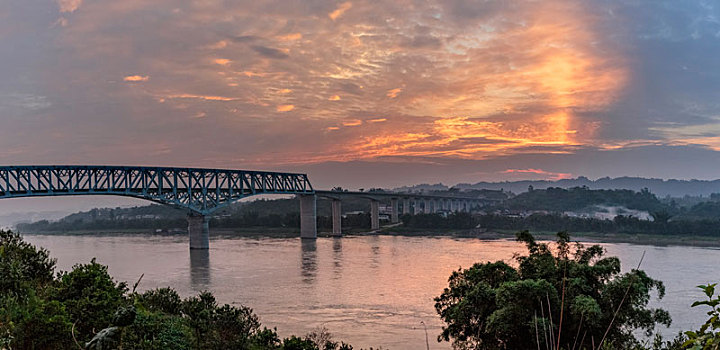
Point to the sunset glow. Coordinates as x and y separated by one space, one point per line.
298 85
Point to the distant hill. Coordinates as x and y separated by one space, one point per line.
659 187
557 199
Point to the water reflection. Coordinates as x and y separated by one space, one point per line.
309 260
375 250
199 269
337 257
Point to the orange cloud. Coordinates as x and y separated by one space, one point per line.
377 120
136 78
394 92
284 91
354 122
334 98
222 61
285 108
200 97
340 10
290 37
548 174
69 5
252 74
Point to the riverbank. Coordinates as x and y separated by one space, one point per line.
269 232
590 237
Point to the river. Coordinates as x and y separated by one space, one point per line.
366 290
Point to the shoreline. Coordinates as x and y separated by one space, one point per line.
585 237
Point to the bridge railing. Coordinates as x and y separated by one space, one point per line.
200 190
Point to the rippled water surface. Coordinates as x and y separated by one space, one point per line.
367 290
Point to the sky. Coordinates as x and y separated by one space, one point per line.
366 93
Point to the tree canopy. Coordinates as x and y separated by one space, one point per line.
552 297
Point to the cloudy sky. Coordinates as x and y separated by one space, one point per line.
366 93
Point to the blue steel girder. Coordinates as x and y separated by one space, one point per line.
202 191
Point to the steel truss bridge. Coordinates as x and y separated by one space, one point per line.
201 191
204 191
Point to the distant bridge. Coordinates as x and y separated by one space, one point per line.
203 191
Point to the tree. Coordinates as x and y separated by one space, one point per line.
27 320
708 336
22 265
552 299
91 297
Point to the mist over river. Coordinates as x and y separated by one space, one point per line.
366 290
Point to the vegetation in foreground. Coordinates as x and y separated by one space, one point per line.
86 308
560 299
554 299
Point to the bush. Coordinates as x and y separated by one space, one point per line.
22 265
90 296
552 296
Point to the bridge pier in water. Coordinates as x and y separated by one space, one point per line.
374 215
308 216
199 231
336 218
394 215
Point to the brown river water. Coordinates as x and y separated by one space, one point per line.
366 290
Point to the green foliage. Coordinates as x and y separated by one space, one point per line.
157 331
296 343
496 306
456 220
27 319
90 296
22 265
31 322
164 300
559 199
708 336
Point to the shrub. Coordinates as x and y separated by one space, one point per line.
552 296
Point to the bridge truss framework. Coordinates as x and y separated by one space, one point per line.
202 191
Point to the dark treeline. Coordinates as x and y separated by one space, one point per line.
560 199
535 209
245 220
261 213
557 222
455 220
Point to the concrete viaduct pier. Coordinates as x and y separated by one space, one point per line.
411 204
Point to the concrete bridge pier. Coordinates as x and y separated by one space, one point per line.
426 209
394 215
374 215
308 216
406 205
336 218
199 231
415 206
